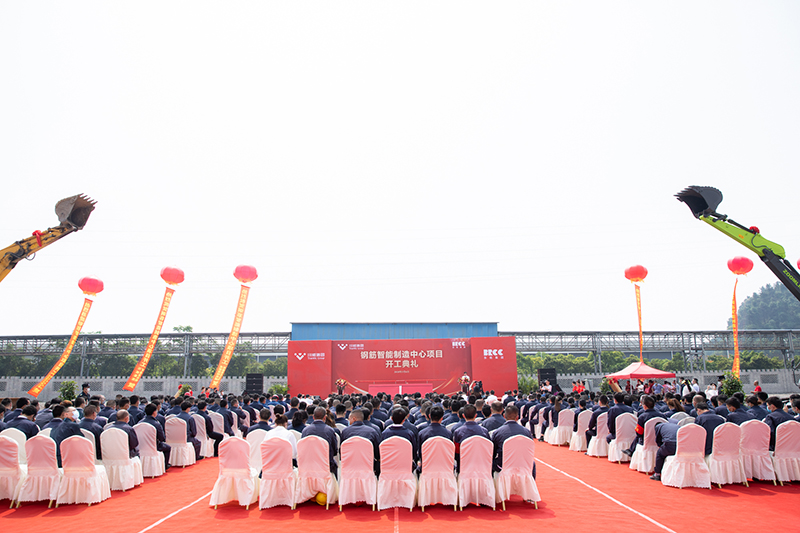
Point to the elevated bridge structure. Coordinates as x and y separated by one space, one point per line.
694 345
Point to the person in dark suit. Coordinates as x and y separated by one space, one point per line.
121 422
709 420
88 423
67 428
603 408
227 416
108 409
191 428
210 433
649 412
263 421
369 420
341 415
357 428
496 419
436 428
150 412
775 417
667 441
58 417
320 429
622 403
11 415
755 408
470 428
134 411
122 404
506 431
736 414
233 407
25 422
396 429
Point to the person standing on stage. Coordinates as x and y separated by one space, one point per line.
464 381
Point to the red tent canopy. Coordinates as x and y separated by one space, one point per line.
639 370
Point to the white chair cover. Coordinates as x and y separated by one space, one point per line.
786 458
437 484
357 479
626 432
563 433
153 461
278 476
237 481
181 452
235 427
725 462
218 423
677 417
475 483
516 477
44 476
17 435
90 436
254 439
598 447
755 451
537 428
549 431
686 421
644 457
12 474
397 484
313 470
45 432
687 467
84 481
577 442
123 472
206 444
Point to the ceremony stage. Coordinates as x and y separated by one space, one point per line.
579 493
401 366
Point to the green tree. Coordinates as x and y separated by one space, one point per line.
772 307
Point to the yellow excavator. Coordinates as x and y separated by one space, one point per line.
72 212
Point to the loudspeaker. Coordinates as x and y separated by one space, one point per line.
547 374
254 383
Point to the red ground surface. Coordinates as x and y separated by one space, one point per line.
567 503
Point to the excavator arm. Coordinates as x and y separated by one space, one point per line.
703 202
73 212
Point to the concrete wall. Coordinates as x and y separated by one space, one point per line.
14 387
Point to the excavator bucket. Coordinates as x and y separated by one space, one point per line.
703 201
75 210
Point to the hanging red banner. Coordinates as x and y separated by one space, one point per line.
639 311
141 366
39 387
735 323
227 353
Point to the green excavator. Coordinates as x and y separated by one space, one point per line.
72 212
703 202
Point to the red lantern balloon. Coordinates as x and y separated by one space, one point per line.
245 273
90 285
172 275
636 273
740 265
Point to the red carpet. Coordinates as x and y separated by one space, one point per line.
567 503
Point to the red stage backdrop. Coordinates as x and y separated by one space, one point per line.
314 366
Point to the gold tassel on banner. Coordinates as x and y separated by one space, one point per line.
735 322
90 287
173 276
245 274
141 366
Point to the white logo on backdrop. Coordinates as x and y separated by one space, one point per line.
300 356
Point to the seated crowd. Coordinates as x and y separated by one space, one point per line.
413 417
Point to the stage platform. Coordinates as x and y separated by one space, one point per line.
401 388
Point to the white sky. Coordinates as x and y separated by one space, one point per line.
394 162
